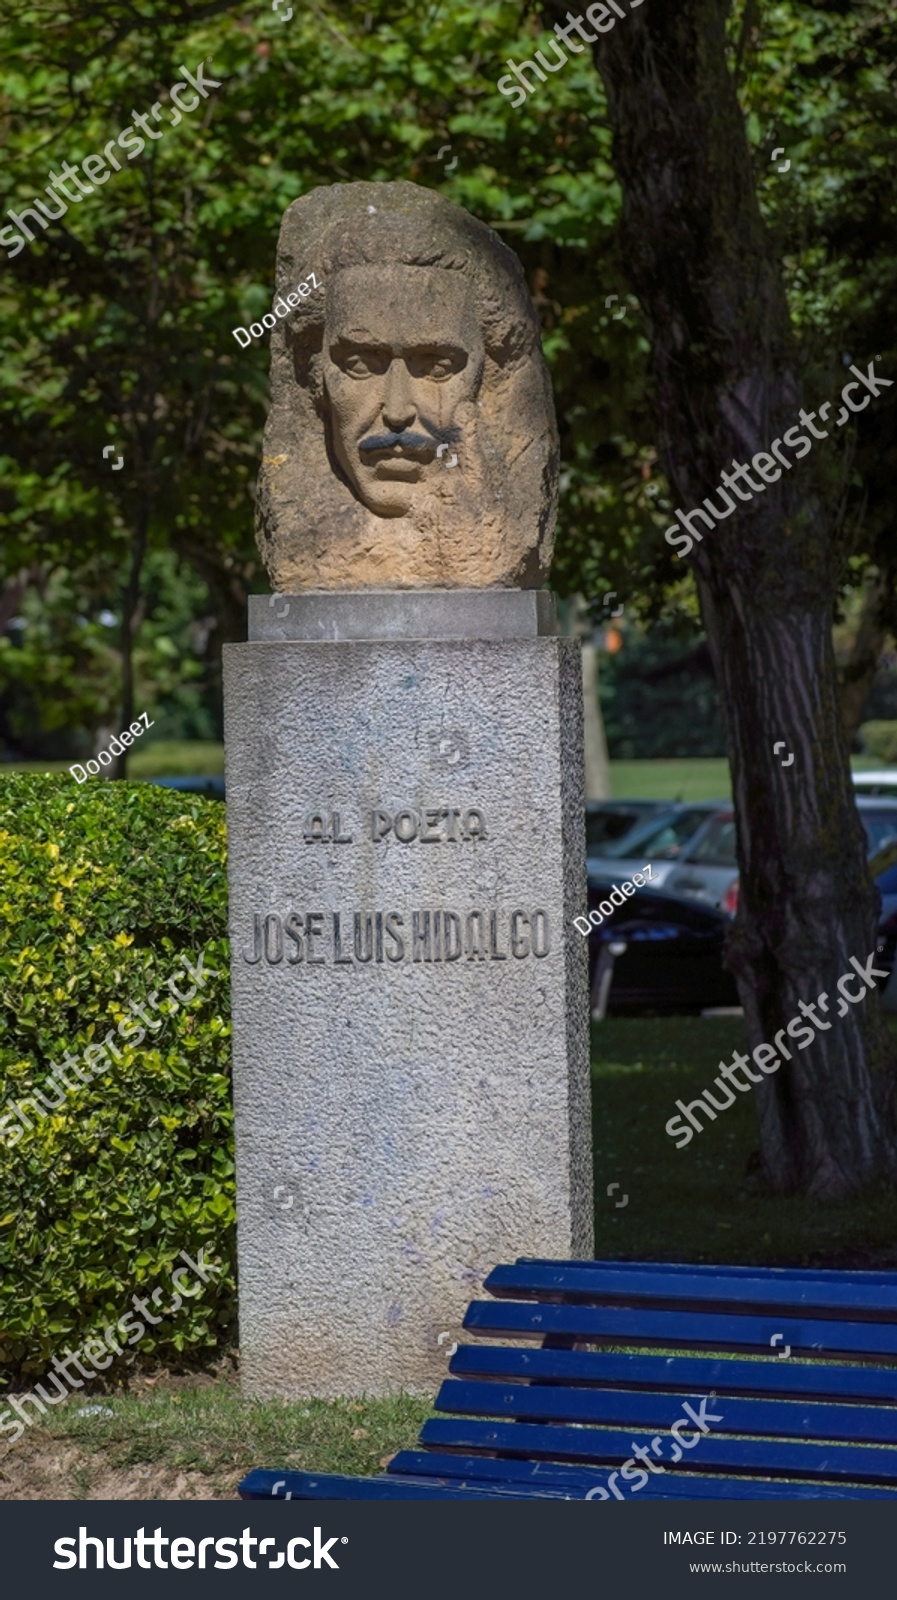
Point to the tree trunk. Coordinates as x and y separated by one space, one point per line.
859 671
726 386
12 592
131 617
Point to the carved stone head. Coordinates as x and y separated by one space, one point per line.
411 441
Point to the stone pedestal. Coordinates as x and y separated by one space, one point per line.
406 855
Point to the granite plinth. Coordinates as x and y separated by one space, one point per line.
410 1033
403 614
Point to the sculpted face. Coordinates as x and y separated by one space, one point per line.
403 360
420 337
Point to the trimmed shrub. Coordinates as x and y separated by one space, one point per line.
879 739
102 888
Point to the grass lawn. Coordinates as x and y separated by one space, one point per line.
701 778
164 758
692 1204
176 758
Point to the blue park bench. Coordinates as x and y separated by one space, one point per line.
546 1418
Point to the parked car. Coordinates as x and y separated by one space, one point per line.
883 868
879 818
660 840
708 869
610 821
212 787
658 953
877 783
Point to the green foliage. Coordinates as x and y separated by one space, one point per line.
879 739
60 672
101 889
57 670
659 697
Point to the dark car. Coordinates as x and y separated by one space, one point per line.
608 821
883 869
708 868
658 953
878 815
211 787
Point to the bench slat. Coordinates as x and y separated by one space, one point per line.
707 1329
788 1419
769 1457
788 1378
334 1486
887 1280
603 1284
672 1486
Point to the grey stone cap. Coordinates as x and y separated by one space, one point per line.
357 614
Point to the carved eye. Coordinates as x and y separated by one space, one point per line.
364 363
434 364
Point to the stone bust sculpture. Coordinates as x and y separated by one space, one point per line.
411 440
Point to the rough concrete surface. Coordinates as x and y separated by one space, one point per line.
402 1124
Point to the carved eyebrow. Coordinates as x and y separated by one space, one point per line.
366 341
428 345
437 347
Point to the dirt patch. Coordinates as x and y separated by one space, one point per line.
39 1467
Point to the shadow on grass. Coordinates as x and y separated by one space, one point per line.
691 1204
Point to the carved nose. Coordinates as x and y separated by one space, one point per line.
399 410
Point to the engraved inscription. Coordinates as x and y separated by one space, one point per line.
319 831
441 824
431 825
364 938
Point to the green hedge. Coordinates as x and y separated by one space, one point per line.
101 888
879 739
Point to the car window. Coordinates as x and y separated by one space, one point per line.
662 840
716 848
881 828
604 826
